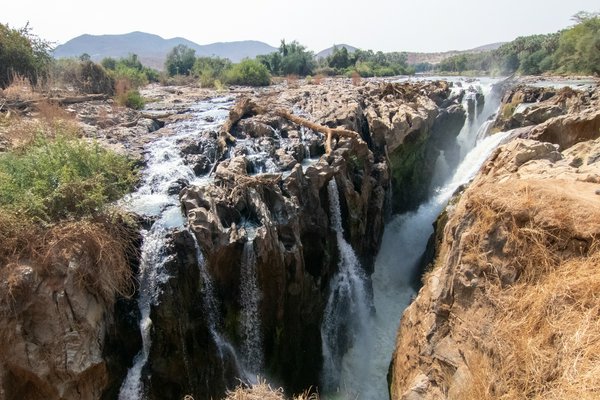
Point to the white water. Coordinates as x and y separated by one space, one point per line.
164 167
211 307
365 366
346 315
250 318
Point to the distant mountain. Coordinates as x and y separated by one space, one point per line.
152 49
327 52
487 47
435 58
416 58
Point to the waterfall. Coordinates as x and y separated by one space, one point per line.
151 273
346 314
164 167
224 347
364 368
250 314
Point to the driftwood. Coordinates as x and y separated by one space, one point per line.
329 132
246 107
243 108
63 101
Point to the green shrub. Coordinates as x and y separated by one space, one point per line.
22 54
133 99
210 69
248 73
53 179
137 78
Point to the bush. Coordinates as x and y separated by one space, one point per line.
130 68
22 53
83 76
53 179
248 72
132 99
210 69
180 60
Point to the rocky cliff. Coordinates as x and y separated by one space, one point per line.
506 308
63 335
282 212
267 196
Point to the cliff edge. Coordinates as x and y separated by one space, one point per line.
509 308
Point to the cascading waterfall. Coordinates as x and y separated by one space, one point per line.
165 166
224 347
365 366
346 315
250 319
150 275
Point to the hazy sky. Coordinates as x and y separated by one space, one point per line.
387 25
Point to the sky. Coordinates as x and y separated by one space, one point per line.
386 25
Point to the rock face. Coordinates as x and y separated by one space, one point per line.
271 194
288 223
184 358
60 339
495 317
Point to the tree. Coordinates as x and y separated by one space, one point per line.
180 60
339 58
22 53
579 47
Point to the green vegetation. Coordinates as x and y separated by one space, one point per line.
131 69
22 54
180 60
210 69
61 177
130 98
365 63
291 59
575 50
249 73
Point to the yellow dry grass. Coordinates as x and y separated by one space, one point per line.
544 340
263 391
19 90
96 253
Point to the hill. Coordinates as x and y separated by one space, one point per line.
417 57
328 51
152 49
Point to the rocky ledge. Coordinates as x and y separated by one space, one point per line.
267 194
504 309
270 194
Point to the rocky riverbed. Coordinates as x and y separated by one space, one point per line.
256 233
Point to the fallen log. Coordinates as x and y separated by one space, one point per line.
245 107
329 132
63 101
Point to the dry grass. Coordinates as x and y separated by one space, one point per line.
98 251
49 120
19 90
537 246
263 391
95 252
292 81
356 79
